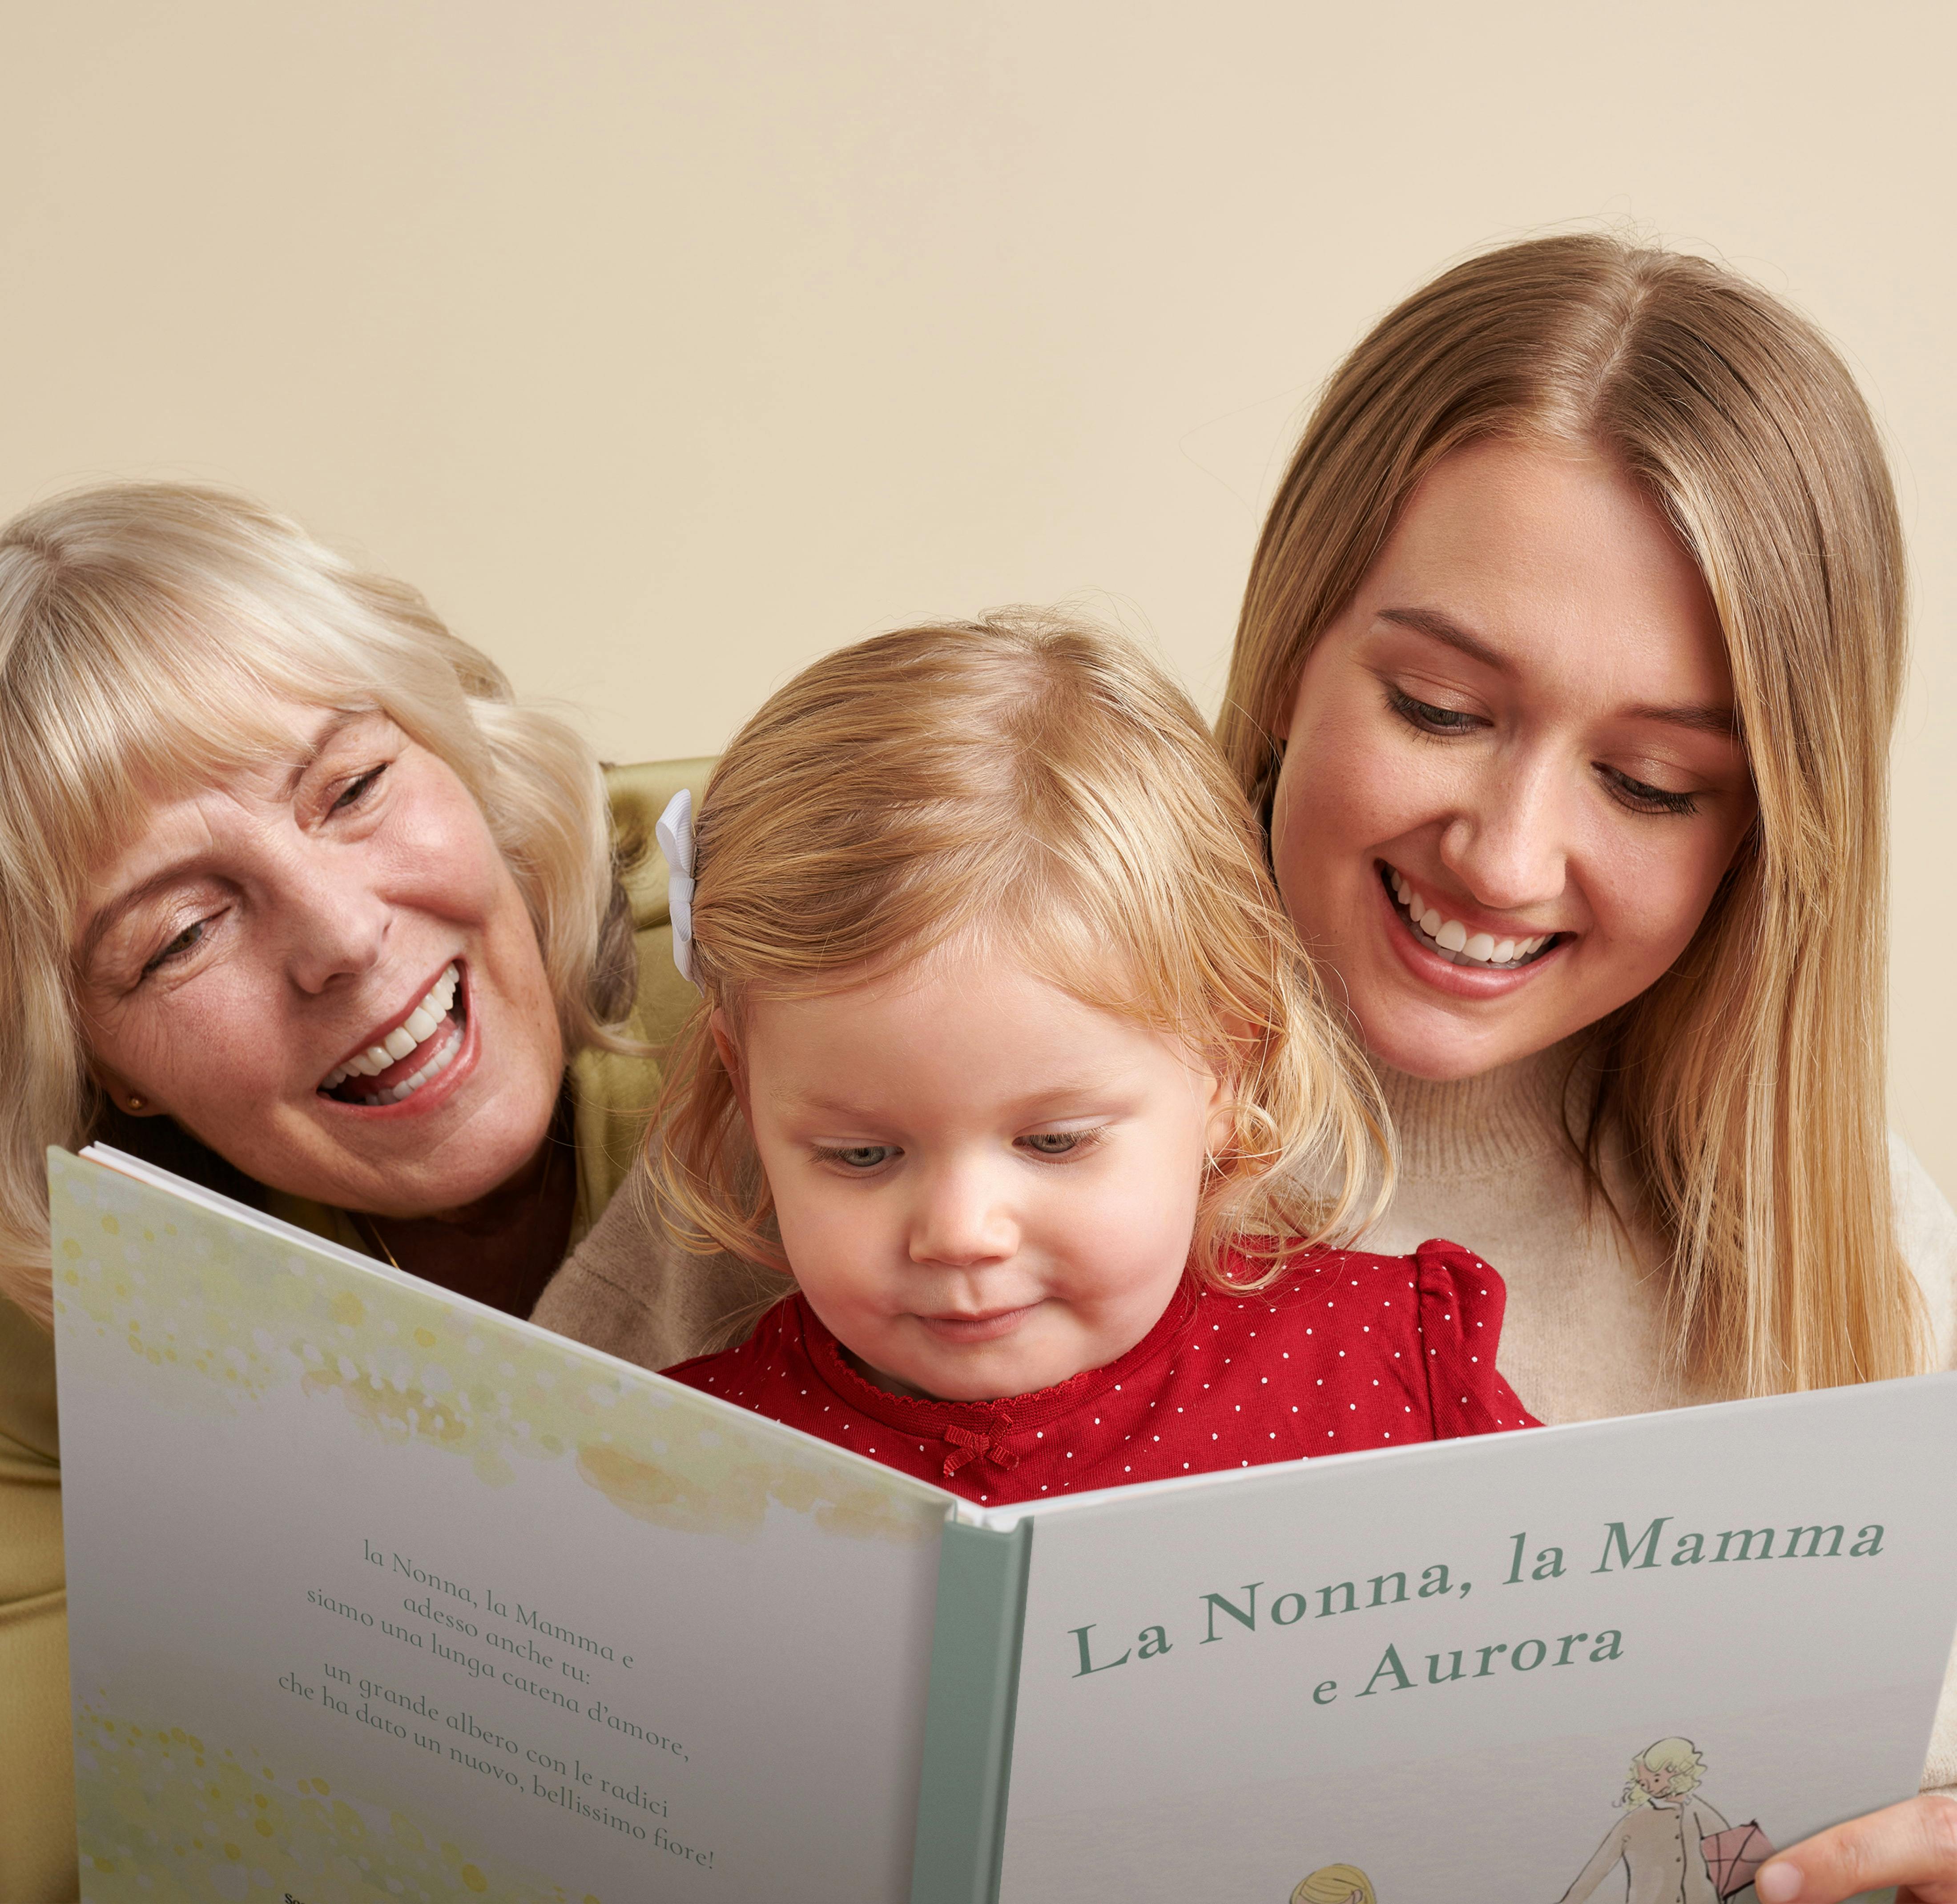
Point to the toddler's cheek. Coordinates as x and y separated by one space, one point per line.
1145 1225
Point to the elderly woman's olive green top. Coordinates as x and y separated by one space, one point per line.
37 1784
609 1100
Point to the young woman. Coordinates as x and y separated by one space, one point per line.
1565 679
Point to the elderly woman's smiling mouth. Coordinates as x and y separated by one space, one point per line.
402 1058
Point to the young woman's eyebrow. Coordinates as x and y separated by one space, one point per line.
1444 628
1702 719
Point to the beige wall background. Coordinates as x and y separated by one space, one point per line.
666 346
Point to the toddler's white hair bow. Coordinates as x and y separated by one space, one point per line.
675 837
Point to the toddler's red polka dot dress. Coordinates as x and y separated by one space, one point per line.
1347 1351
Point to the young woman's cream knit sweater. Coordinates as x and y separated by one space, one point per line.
1483 1162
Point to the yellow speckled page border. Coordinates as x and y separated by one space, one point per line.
165 1816
218 1310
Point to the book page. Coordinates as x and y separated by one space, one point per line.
375 1593
1435 1666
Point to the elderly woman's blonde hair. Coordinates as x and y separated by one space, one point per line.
1335 1884
1041 788
1749 1082
148 634
1678 1760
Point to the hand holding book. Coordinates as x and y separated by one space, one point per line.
1912 1845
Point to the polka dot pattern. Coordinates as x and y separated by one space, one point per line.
1347 1351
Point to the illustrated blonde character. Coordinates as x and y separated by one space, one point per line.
1335 1884
1659 1840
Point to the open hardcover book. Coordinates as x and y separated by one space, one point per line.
376 1593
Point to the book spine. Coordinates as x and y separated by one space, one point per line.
968 1736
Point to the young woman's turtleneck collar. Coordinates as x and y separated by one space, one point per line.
1474 1126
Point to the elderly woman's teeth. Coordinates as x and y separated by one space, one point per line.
428 1020
1451 940
433 1067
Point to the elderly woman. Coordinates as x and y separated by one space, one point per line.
293 901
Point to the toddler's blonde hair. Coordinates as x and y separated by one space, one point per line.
1041 787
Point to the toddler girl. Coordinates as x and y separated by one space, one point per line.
1054 1131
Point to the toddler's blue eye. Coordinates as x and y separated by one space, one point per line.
859 1157
1059 1144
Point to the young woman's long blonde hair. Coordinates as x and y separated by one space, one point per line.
1749 1082
1033 785
148 633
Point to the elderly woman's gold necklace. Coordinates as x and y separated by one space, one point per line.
380 1242
374 1236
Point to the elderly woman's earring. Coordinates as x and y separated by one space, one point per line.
136 1103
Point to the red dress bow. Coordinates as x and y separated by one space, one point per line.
969 1444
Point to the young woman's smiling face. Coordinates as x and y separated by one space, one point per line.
1512 780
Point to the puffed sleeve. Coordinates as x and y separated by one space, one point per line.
1461 1300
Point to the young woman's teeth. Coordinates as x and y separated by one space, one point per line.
427 1027
1452 940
